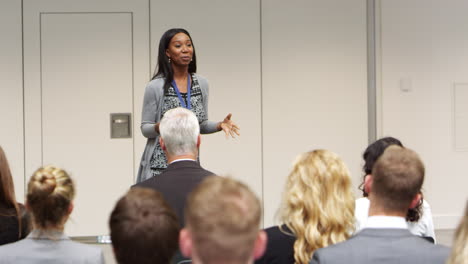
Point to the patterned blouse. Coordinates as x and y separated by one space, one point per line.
171 100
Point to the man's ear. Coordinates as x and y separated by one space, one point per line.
70 208
368 180
185 243
416 200
161 143
260 245
198 141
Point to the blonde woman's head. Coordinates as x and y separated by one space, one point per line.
460 246
49 197
318 202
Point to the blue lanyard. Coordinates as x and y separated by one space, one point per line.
189 86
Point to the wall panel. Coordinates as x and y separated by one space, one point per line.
82 62
423 55
11 91
314 86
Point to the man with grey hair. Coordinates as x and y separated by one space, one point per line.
180 140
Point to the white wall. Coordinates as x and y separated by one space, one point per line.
423 43
314 86
11 91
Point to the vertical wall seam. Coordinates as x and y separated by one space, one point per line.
149 38
24 109
132 116
40 89
371 73
262 157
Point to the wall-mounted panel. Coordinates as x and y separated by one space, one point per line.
226 36
11 91
314 86
423 54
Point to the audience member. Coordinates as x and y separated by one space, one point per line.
317 209
143 228
222 223
393 187
459 253
180 140
50 199
419 218
14 219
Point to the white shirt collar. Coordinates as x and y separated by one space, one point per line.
380 221
176 160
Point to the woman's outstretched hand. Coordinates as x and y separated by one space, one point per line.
229 127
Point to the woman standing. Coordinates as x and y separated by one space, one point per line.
317 209
50 200
175 84
14 220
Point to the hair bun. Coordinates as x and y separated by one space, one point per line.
46 184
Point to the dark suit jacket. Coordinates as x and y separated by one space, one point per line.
387 246
176 182
280 247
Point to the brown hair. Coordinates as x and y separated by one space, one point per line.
370 156
223 215
143 228
398 176
7 189
50 192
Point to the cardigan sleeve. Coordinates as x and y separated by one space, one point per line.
151 112
207 126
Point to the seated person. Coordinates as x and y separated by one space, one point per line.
50 200
222 223
180 140
14 219
143 228
310 203
419 218
393 187
460 242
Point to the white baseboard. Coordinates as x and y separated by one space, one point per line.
446 221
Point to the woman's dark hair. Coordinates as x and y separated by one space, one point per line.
164 68
7 190
374 151
370 156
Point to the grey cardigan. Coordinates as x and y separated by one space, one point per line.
151 114
49 247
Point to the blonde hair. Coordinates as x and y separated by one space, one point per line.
318 203
223 215
460 246
50 192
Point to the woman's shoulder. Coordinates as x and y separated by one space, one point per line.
156 82
279 232
201 80
86 251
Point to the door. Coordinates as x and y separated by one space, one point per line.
83 61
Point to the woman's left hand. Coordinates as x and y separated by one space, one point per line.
229 127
